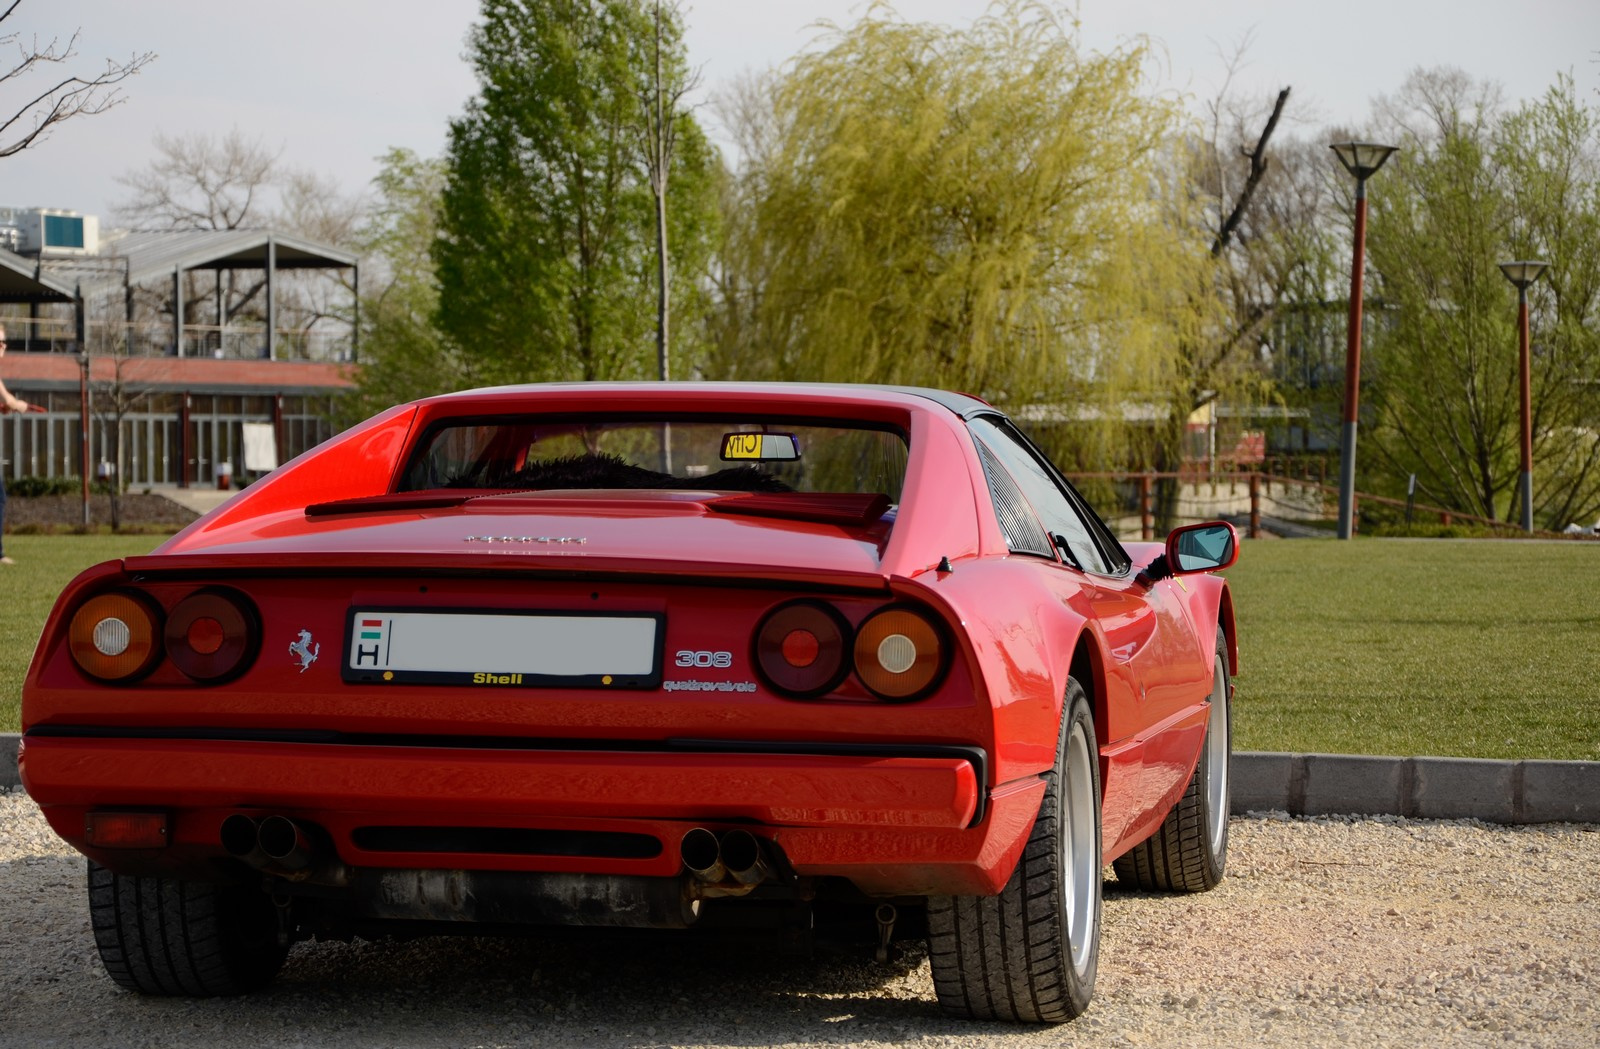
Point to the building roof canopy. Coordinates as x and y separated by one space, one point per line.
21 281
153 254
142 256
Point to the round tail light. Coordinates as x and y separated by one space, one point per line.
213 635
899 654
800 649
113 636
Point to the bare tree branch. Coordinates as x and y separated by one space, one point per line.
200 182
68 97
1258 167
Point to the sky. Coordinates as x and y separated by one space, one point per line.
334 84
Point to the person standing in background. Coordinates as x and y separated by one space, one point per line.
8 404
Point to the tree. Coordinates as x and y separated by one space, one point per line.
932 202
61 97
546 229
198 181
1551 148
1265 217
114 398
661 108
1478 186
404 356
991 209
203 182
1230 297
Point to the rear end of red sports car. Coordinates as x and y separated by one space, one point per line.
632 656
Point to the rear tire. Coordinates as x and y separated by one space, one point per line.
1031 953
1189 852
169 937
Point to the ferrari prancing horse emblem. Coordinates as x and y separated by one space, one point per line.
305 649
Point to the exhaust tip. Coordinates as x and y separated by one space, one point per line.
745 857
239 835
740 851
279 837
702 854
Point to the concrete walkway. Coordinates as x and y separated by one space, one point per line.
1350 784
200 500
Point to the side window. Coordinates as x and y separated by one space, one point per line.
1039 486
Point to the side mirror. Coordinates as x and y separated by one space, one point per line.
1202 548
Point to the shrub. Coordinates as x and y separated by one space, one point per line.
35 487
32 487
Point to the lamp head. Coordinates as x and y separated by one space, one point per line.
1361 159
1523 272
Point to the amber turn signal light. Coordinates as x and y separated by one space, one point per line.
899 654
113 636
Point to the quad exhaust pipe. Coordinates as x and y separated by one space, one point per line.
733 863
730 865
276 845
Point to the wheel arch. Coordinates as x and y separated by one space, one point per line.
1230 631
1210 607
1088 669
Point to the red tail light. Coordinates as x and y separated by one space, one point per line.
213 635
113 636
899 654
801 647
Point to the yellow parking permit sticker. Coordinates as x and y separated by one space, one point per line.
742 446
760 447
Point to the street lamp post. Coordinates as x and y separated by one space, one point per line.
1522 274
1361 159
81 330
83 426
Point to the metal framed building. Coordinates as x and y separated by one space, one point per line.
161 400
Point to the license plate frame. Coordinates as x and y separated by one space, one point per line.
503 648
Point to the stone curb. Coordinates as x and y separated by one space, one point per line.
1348 784
1425 788
8 760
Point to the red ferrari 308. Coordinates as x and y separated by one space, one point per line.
647 656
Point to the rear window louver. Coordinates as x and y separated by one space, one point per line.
1023 532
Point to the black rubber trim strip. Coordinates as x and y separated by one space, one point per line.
974 755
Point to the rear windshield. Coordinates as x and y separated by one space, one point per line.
631 453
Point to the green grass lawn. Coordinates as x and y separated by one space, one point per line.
1486 649
45 565
1460 648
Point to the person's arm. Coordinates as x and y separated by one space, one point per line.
12 404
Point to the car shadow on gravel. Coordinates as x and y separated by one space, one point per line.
615 991
587 987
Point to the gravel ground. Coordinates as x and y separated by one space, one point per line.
1326 932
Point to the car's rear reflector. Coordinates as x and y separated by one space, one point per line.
126 830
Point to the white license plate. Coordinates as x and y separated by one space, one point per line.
504 649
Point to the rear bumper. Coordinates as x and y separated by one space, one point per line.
893 822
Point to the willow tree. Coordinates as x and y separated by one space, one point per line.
1478 186
991 209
